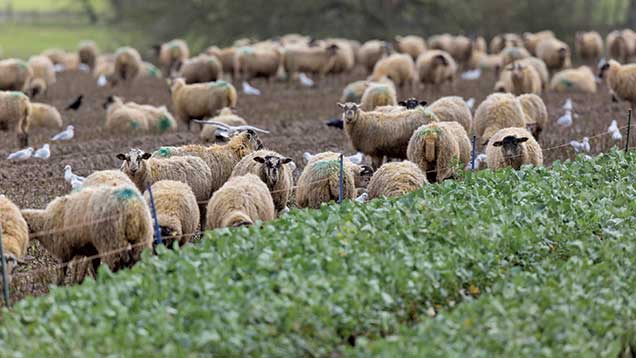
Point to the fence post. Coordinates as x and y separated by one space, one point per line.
341 180
5 274
472 157
154 214
629 127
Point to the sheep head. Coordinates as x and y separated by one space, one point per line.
412 103
511 147
271 167
350 111
440 60
110 101
134 161
246 142
332 50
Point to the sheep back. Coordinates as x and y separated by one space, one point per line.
396 179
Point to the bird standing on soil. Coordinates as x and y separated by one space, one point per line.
336 123
67 134
75 180
566 119
582 146
305 80
76 104
23 154
43 153
249 90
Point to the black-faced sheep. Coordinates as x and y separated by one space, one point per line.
513 147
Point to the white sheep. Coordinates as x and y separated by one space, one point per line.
513 147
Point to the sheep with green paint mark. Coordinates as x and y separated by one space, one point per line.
436 147
201 100
580 80
319 181
113 222
377 95
123 118
15 75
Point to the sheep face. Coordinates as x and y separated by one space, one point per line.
271 167
511 148
250 141
603 67
110 100
349 111
440 60
412 103
134 161
332 50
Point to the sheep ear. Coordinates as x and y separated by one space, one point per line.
498 144
423 103
402 103
366 170
121 156
146 156
259 160
286 160
521 140
341 105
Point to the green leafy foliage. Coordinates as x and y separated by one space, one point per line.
537 262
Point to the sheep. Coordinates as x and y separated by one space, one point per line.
225 55
555 54
127 66
574 80
159 120
177 211
201 100
436 146
250 62
378 95
148 70
436 67
513 54
499 42
15 75
199 69
354 91
243 200
379 134
370 53
620 80
461 49
170 54
540 67
15 110
589 45
273 170
490 63
411 45
112 222
345 56
44 116
316 60
113 178
56 55
122 118
87 53
319 181
396 179
15 233
531 40
518 148
399 68
621 45
443 42
453 109
497 111
221 159
536 113
104 66
520 78
144 170
209 132
43 74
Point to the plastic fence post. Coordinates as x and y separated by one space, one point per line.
154 214
5 274
341 180
472 157
629 127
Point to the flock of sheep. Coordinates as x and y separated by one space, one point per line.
110 215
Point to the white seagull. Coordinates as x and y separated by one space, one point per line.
471 75
470 103
249 90
356 158
67 134
566 119
23 154
102 81
305 80
582 146
75 180
614 131
362 198
43 153
568 105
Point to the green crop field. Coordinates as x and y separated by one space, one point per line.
54 5
538 262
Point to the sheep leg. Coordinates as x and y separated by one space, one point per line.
23 140
376 162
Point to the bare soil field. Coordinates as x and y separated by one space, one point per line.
295 116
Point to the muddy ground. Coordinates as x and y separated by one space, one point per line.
295 115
